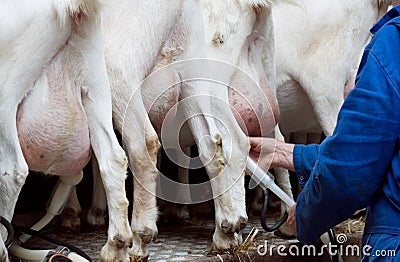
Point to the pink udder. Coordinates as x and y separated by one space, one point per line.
256 115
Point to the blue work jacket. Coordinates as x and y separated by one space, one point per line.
359 165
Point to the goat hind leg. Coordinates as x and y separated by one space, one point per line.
97 214
13 167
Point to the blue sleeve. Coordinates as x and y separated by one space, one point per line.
348 168
304 158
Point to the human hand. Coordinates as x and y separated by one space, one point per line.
271 152
263 150
291 221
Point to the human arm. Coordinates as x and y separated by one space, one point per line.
351 165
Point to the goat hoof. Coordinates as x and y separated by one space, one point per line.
134 258
242 222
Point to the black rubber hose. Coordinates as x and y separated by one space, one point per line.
332 238
282 220
264 225
10 232
52 240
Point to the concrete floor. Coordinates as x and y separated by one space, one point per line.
191 242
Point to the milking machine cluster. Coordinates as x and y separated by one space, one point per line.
64 252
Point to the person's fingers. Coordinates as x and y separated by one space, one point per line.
262 150
293 209
291 221
290 218
256 143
